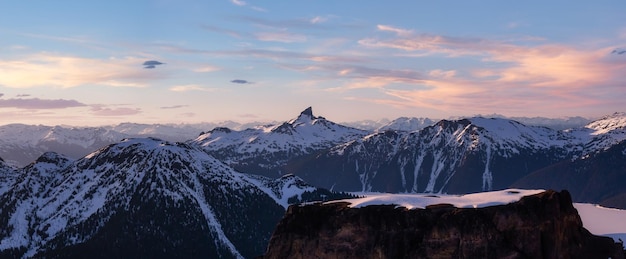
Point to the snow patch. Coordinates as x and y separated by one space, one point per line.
603 221
420 201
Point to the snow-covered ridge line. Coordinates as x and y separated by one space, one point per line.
420 201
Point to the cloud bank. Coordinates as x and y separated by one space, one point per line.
36 103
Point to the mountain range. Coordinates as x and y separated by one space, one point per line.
452 156
221 193
21 144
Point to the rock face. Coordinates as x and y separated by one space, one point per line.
544 225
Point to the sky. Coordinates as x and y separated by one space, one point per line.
91 63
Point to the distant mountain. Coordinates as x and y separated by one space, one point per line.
176 132
21 144
553 123
266 149
413 123
406 124
142 198
399 124
368 125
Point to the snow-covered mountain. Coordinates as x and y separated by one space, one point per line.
21 144
265 149
368 125
600 134
142 197
460 156
451 156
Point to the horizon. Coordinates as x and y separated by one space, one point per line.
381 121
194 62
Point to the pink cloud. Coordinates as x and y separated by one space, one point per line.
517 78
101 110
191 87
284 37
69 71
399 31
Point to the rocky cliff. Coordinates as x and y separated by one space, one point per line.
545 225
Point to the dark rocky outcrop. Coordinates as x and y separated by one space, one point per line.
544 225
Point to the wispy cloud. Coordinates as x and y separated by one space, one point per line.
516 77
535 65
318 20
245 4
70 71
173 107
190 87
217 29
306 23
205 69
104 110
399 31
284 37
80 40
36 103
239 2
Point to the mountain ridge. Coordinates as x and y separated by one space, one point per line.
136 191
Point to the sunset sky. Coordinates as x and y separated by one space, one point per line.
105 62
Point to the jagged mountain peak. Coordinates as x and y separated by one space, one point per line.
266 148
307 112
305 117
